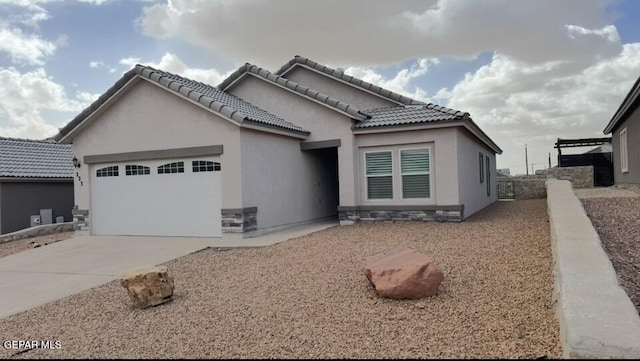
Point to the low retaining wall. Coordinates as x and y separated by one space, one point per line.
597 318
37 231
529 188
579 176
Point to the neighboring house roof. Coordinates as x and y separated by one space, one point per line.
25 158
605 148
339 74
302 90
625 109
409 115
218 101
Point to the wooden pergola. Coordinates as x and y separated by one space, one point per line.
584 142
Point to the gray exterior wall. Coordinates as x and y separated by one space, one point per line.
473 193
444 168
632 124
322 122
20 200
286 184
337 89
146 117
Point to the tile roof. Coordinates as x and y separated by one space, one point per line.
207 95
416 114
412 114
339 74
25 158
303 90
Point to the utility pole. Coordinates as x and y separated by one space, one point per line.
526 159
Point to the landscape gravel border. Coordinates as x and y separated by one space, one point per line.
309 298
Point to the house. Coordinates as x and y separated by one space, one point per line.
34 175
624 127
165 155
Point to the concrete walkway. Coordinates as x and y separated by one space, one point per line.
32 278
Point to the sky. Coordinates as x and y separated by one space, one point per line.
528 72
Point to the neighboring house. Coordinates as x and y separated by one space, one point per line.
605 148
624 128
34 175
165 155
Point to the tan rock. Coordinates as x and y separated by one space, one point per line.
403 274
148 287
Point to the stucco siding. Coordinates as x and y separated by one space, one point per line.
632 124
286 184
444 163
473 193
322 122
20 200
148 117
334 88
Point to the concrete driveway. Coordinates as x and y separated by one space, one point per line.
32 278
37 276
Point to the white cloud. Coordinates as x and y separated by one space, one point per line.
24 48
516 104
365 33
400 83
172 63
25 96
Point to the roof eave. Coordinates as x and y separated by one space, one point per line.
235 76
65 132
625 107
324 70
295 88
463 121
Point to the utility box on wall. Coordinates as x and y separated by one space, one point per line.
35 221
46 216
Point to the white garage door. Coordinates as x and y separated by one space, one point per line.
177 197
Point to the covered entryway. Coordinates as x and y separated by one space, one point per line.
171 197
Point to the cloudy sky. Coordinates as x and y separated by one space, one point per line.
527 71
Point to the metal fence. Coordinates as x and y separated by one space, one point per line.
506 189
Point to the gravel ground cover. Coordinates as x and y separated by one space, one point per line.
11 247
309 298
618 225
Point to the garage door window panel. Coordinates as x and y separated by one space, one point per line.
111 171
171 168
136 170
205 166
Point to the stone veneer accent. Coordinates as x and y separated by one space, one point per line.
239 220
80 218
349 215
529 188
580 177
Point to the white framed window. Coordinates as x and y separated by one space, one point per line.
111 171
488 176
624 155
415 171
379 174
481 167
